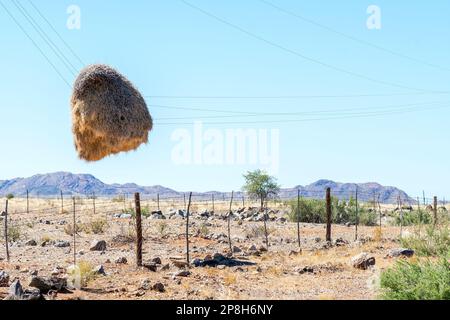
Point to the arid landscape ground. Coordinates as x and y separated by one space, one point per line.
320 270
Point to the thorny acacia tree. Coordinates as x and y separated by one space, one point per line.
259 184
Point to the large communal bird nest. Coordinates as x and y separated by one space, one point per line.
109 115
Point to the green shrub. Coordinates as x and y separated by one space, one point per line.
9 196
145 212
314 211
412 218
14 233
435 241
97 226
417 281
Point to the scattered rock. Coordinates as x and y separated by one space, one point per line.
306 269
400 252
157 260
150 266
183 273
236 249
158 287
145 285
47 284
4 279
180 264
99 270
97 245
339 242
165 267
363 261
33 273
121 260
31 243
61 244
16 292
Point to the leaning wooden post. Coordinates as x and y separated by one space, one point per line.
137 204
266 214
93 201
62 202
229 222
356 215
435 204
74 231
328 199
187 229
157 200
28 203
401 216
6 231
298 218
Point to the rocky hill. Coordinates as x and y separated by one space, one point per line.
48 185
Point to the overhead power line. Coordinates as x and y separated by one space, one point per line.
350 37
35 44
299 54
232 113
337 117
65 61
57 33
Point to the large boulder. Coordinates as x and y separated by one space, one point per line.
98 245
400 252
47 284
4 279
363 261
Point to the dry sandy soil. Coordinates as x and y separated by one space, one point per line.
317 271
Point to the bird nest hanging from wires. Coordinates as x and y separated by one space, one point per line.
109 115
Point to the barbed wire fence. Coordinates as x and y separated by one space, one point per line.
26 212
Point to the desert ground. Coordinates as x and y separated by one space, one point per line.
44 247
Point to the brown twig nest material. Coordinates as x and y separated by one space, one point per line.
109 115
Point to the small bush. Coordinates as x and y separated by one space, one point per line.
81 274
413 218
434 242
69 229
14 233
97 226
417 281
203 230
163 228
9 196
314 211
258 232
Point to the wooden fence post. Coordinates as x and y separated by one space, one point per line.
435 209
93 201
357 215
213 203
266 214
184 199
328 198
401 216
187 229
62 202
6 231
157 199
28 203
229 222
137 203
298 218
74 234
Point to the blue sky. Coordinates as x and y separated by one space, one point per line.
167 48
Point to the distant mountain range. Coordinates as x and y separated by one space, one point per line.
51 184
